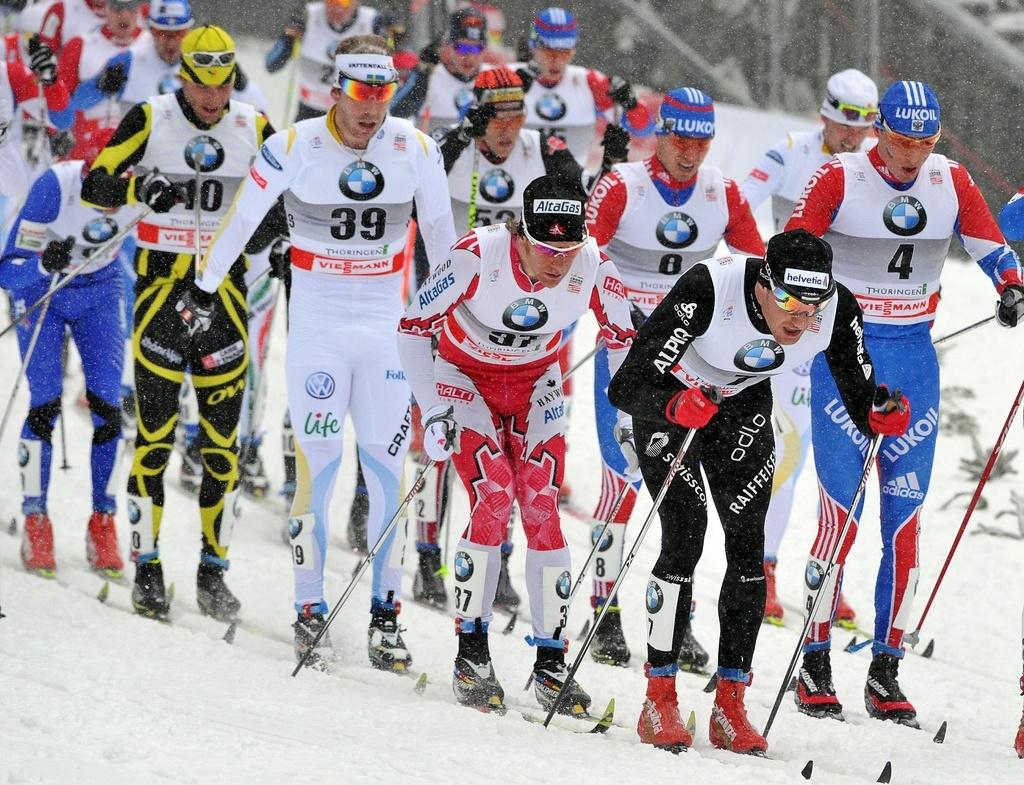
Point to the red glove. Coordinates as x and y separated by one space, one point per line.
890 413
690 408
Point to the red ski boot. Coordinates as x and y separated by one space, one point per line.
659 722
772 606
845 616
729 727
101 546
37 546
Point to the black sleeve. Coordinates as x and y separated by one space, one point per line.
104 186
273 225
644 384
452 146
410 100
849 361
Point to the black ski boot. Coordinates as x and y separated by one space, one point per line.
609 646
506 598
693 657
307 626
549 676
191 476
213 596
815 694
384 640
358 514
148 596
428 585
883 697
252 477
473 680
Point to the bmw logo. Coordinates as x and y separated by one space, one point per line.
497 186
905 216
207 151
525 314
361 181
463 566
464 99
813 574
764 354
134 513
99 229
655 599
606 543
294 527
676 230
563 585
550 106
22 454
168 84
320 385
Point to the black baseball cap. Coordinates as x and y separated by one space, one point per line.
801 264
553 210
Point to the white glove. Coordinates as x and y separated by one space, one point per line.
439 432
623 433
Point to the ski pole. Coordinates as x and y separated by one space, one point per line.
963 330
913 637
363 565
812 604
715 395
474 185
64 465
100 250
29 350
581 362
197 207
289 97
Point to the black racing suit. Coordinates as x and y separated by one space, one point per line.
735 451
163 350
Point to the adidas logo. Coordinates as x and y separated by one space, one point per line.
905 486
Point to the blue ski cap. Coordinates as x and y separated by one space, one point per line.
909 108
171 15
554 28
686 111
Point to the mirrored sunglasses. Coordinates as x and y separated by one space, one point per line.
364 91
794 305
468 47
553 250
911 143
211 59
854 113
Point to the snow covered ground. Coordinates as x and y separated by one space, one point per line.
93 694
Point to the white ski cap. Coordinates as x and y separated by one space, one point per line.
854 88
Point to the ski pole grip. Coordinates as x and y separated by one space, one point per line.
712 393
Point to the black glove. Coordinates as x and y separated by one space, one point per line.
113 78
431 53
57 255
280 257
42 61
61 143
528 74
195 308
636 316
1010 308
157 191
241 79
621 92
474 124
615 143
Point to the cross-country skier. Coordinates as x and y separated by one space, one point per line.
889 215
656 219
848 110
194 143
349 182
730 323
53 236
492 401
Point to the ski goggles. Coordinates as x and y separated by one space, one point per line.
910 144
854 113
468 47
210 59
794 306
364 91
689 145
553 251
